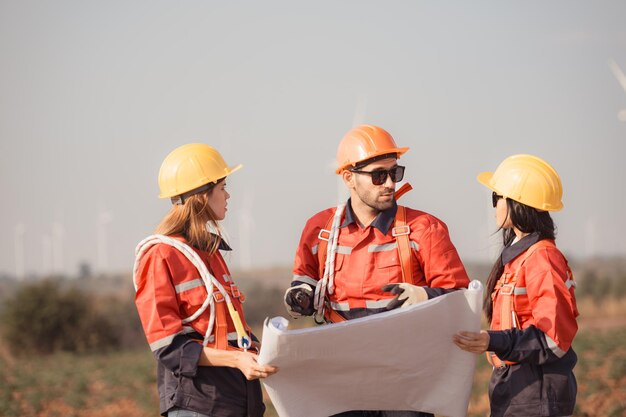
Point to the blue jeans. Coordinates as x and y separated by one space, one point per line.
179 412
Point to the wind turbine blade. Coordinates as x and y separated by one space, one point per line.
619 74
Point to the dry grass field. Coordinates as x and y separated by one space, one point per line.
121 382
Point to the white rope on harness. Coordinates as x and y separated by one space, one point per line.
327 283
207 278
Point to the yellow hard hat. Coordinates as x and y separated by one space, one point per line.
365 142
190 167
526 179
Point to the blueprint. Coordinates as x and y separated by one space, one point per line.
398 360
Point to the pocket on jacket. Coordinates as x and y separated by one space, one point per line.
388 266
190 300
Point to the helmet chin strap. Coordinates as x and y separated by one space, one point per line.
180 199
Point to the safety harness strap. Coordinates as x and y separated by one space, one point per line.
221 326
322 246
401 232
331 316
216 295
505 289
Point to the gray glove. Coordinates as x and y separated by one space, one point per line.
299 300
406 295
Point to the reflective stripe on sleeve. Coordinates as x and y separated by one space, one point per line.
189 285
378 304
305 279
369 304
554 347
522 290
158 344
340 306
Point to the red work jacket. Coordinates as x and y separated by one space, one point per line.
169 289
543 294
367 258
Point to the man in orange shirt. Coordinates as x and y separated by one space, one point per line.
371 255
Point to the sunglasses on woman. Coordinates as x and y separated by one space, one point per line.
495 197
379 176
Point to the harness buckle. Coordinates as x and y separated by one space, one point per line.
400 230
234 289
244 342
218 296
324 235
507 289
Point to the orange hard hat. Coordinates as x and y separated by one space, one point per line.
365 142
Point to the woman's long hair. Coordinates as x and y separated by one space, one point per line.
527 220
190 220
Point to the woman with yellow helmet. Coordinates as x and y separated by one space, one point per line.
529 297
189 305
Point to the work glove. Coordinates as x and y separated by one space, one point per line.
299 300
406 295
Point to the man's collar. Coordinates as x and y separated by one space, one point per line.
514 250
382 222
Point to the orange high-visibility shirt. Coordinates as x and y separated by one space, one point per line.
367 258
544 294
169 289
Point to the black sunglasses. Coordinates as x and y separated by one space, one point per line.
494 198
379 176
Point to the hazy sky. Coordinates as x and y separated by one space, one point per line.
93 95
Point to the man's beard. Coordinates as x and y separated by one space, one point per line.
371 200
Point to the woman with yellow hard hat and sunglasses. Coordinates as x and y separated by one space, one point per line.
529 297
189 305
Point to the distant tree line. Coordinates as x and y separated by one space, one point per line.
600 287
45 317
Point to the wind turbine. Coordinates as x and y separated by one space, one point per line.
621 78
